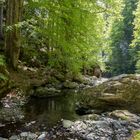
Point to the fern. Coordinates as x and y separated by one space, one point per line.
3 77
2 60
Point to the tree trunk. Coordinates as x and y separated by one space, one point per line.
12 38
1 20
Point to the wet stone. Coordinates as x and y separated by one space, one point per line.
3 138
24 134
14 137
32 136
42 137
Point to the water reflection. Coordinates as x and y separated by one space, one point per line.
50 111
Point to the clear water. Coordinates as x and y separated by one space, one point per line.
49 111
42 114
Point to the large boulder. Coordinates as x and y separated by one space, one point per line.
120 91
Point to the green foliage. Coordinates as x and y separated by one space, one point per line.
136 41
121 35
71 33
138 63
2 60
3 77
69 36
136 23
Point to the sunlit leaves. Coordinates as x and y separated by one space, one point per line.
74 32
136 32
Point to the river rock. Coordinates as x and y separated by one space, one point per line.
24 134
124 115
67 123
28 135
90 117
106 127
70 85
42 136
3 138
32 136
14 137
46 92
120 91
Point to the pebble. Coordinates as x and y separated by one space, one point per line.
14 137
23 134
3 138
32 136
42 137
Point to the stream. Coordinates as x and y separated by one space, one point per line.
43 114
55 118
49 111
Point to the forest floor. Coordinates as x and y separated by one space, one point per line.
24 77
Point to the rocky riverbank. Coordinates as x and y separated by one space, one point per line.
108 116
116 125
55 89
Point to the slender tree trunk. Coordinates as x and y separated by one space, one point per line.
1 20
12 38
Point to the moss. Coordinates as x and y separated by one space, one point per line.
52 80
135 135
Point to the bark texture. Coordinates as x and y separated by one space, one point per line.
12 39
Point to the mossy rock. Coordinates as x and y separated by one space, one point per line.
60 77
124 115
70 85
43 92
52 80
135 135
121 91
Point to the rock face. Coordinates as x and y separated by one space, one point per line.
120 91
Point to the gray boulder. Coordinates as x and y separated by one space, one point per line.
121 91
